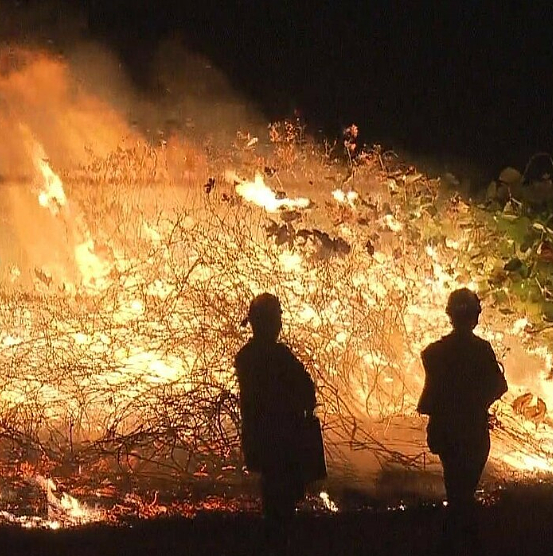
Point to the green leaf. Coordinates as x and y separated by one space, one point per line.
431 210
535 294
525 271
547 311
500 296
513 265
528 243
522 289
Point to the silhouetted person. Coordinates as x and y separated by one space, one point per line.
276 395
463 379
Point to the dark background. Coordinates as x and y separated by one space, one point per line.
466 84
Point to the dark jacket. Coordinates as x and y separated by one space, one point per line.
462 380
276 393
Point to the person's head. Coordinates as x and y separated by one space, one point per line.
265 317
463 308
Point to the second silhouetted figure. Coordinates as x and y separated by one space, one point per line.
463 379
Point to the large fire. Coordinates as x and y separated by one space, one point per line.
118 342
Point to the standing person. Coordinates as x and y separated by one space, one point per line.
276 396
463 379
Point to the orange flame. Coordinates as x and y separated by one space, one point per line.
258 193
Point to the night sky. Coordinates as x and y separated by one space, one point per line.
466 80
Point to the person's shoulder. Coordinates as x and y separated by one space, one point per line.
437 347
482 341
284 350
287 355
483 344
243 354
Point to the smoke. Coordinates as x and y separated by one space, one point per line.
187 95
68 96
61 79
38 95
53 23
198 96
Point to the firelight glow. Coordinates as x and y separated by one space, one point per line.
426 305
147 319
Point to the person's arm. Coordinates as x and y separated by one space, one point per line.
306 387
244 387
251 446
310 399
496 384
427 397
302 387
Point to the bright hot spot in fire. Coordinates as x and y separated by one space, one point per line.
120 316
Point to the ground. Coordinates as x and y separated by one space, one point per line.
518 523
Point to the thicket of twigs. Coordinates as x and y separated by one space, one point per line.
132 373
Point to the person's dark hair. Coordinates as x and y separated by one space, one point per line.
264 315
463 308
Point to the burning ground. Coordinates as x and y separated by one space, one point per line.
127 266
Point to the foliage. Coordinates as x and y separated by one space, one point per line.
519 211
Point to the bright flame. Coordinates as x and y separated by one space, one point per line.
392 223
342 197
94 269
52 195
527 462
329 504
519 326
259 194
65 510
